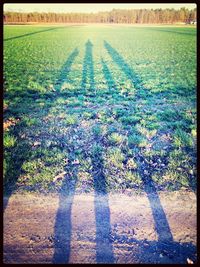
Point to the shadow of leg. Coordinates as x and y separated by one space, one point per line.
65 69
108 76
104 249
119 60
62 228
161 224
165 239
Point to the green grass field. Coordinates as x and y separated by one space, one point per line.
86 102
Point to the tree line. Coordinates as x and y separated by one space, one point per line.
183 15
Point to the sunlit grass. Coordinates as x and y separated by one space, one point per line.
134 112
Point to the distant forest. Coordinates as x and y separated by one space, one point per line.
132 16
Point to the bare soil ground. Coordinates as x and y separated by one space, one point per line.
89 228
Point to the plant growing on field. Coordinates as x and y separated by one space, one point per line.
182 139
116 138
111 111
9 140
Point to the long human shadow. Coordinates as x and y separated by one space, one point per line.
63 225
65 69
161 224
165 243
24 149
31 33
108 75
88 68
162 228
119 60
104 248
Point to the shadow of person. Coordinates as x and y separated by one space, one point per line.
65 70
22 100
108 76
165 244
127 70
104 248
88 69
63 226
119 60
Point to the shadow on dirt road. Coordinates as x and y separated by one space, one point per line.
104 249
63 224
62 228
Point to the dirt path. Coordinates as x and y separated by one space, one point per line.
86 228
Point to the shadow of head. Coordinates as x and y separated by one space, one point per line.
89 43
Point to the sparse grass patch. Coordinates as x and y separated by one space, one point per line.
115 157
55 157
88 115
9 140
97 152
36 87
144 131
194 132
131 164
130 119
116 138
182 139
85 181
70 119
133 179
171 179
97 130
136 140
32 166
30 121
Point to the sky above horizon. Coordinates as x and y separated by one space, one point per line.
87 8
